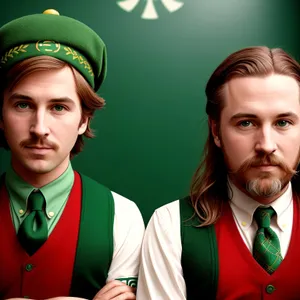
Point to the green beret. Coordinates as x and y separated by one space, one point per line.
54 35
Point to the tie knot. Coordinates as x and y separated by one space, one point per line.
36 201
263 216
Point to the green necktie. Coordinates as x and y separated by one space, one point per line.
30 239
266 248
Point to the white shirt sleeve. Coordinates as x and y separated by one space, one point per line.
128 236
160 276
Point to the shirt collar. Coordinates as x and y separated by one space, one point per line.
244 206
54 192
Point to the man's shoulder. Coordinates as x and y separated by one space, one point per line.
177 211
125 207
168 207
173 207
121 202
167 214
88 180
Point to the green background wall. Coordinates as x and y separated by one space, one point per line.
151 133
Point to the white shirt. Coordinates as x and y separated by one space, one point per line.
161 276
128 236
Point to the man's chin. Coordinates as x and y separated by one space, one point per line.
267 180
39 171
38 167
268 187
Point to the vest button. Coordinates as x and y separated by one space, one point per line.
29 267
270 289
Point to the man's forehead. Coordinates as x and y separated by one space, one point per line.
262 97
273 83
249 91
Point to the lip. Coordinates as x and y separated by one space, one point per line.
266 167
39 150
38 147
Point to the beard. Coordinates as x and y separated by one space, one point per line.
266 184
256 188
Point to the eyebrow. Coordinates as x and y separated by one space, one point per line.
253 116
18 96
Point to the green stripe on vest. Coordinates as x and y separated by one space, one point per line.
199 259
95 240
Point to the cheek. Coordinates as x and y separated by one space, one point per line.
289 147
14 134
237 149
68 122
66 132
292 154
14 127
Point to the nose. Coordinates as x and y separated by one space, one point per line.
39 125
265 141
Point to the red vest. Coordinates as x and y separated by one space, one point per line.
32 276
241 277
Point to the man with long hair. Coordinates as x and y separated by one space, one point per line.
62 234
237 234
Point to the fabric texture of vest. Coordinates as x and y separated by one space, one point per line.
76 257
199 255
233 273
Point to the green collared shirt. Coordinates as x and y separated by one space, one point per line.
56 194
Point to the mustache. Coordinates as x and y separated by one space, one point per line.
37 142
265 159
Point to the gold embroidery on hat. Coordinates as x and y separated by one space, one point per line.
47 46
13 52
81 60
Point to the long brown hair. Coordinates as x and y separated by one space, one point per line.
90 101
209 184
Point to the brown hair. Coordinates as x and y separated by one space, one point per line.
209 184
90 101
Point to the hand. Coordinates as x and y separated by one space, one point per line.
116 290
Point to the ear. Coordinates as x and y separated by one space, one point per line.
215 131
83 125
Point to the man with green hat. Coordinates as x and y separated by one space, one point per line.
62 234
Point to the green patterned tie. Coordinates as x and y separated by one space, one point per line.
266 248
30 239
